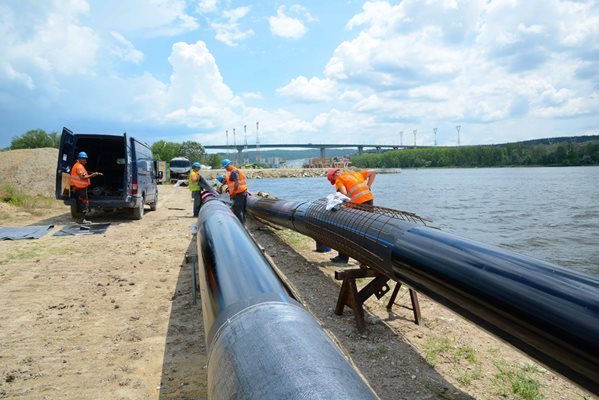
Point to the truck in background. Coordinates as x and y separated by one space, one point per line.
179 167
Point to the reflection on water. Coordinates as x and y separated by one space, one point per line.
547 213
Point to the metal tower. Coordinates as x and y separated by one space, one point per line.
458 127
257 142
401 138
246 159
435 130
414 132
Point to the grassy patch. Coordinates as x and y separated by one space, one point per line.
462 357
31 204
22 254
518 381
466 377
435 347
295 239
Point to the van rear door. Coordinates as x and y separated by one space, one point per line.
65 161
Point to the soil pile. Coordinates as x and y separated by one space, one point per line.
32 171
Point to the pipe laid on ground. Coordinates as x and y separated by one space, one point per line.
262 344
548 312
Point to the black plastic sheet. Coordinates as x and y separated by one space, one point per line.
24 232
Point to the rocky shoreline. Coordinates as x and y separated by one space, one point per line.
285 172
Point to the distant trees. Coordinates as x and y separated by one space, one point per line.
513 154
34 139
191 150
214 160
166 150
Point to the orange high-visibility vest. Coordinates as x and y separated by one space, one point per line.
242 186
356 186
76 180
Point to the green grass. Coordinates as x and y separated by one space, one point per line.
518 381
11 195
466 377
22 254
435 347
461 357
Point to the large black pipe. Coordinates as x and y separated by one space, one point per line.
548 312
262 344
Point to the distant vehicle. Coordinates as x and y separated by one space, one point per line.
129 172
161 168
179 168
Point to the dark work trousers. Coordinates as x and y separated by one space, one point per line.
197 202
343 257
239 203
81 201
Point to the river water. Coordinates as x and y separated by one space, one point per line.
548 213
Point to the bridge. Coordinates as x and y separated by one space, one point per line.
322 147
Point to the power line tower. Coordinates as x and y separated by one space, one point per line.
435 130
227 133
235 148
458 127
401 138
246 160
414 132
258 142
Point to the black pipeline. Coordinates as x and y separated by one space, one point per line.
548 312
262 344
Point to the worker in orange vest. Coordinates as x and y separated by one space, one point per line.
237 189
223 185
80 180
355 185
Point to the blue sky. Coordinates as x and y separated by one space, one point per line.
309 71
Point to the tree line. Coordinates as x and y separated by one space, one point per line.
507 155
162 150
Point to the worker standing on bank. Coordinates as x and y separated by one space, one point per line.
355 185
237 189
80 180
194 187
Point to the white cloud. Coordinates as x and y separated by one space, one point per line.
148 18
125 50
53 45
501 64
207 6
287 26
309 90
229 31
252 95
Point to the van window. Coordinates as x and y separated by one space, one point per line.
145 164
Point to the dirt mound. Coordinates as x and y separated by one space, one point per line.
32 171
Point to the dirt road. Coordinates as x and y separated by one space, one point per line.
111 317
102 316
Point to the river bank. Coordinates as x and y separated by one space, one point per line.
285 172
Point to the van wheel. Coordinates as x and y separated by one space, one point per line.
74 212
154 205
138 212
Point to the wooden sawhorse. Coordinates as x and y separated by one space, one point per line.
354 299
